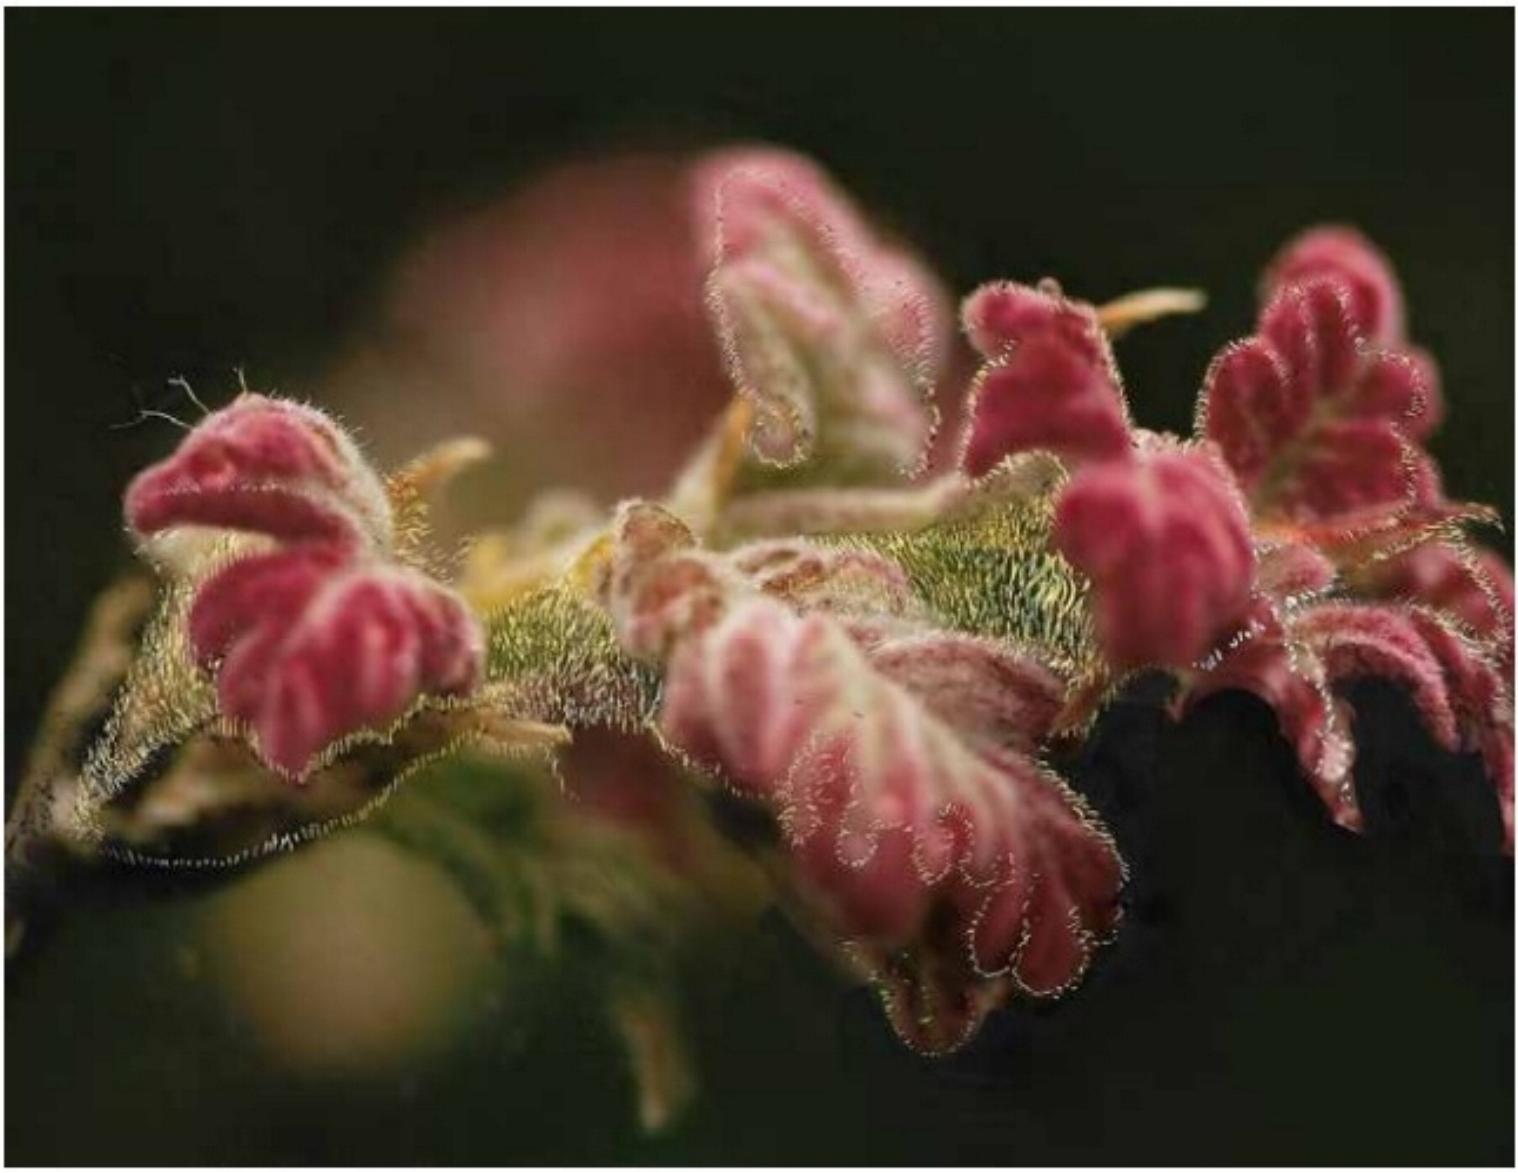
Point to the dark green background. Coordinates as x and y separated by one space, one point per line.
187 192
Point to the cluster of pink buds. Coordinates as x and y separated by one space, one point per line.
1301 539
899 761
1322 416
326 633
1236 563
1158 528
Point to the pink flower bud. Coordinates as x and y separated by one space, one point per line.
1165 541
306 653
1001 315
267 466
327 635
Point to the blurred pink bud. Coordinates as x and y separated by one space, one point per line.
1165 540
267 466
329 634
1341 252
959 864
1357 640
563 318
836 337
1317 425
1050 382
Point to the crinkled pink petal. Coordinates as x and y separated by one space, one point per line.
1478 691
269 588
1318 426
1314 331
1252 407
1332 250
1401 385
755 662
1262 660
1474 586
751 202
1001 315
1481 696
1043 396
307 652
1165 542
265 466
1356 639
1048 945
1459 693
1314 327
678 596
1355 468
1049 384
939 862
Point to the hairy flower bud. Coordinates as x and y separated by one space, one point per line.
1165 541
329 633
265 466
